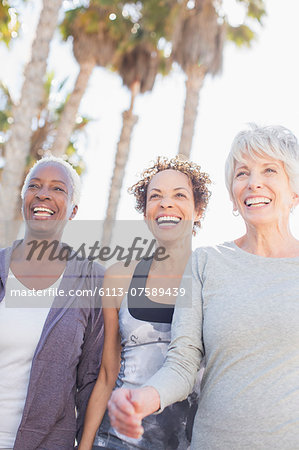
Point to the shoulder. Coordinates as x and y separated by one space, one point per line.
117 281
84 267
202 257
225 248
121 271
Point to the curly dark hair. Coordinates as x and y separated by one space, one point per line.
199 181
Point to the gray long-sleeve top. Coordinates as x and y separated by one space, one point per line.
244 322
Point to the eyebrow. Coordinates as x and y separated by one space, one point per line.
263 165
52 181
175 189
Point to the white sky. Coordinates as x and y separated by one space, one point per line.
257 85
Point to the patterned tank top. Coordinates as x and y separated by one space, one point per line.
145 335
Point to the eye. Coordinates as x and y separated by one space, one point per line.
57 188
180 194
241 173
32 185
153 196
270 170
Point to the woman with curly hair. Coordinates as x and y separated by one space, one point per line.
172 195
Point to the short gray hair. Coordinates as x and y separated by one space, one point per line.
73 176
275 141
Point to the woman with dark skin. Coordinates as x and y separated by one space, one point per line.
50 336
172 195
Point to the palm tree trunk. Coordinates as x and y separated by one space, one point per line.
194 82
18 146
121 158
68 116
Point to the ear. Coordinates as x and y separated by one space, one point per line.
74 212
145 217
235 208
295 199
198 215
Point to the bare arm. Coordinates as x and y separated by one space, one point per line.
108 373
115 277
109 368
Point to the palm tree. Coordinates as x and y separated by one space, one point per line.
139 63
198 48
95 40
18 146
44 126
138 68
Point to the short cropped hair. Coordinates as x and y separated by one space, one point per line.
199 181
72 174
275 141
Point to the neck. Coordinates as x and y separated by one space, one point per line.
269 241
177 254
37 249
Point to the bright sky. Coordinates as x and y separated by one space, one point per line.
257 85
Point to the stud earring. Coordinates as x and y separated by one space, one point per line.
235 213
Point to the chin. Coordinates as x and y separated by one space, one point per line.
258 221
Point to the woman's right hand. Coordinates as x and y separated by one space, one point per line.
127 408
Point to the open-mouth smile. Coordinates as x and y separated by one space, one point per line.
40 211
168 221
257 202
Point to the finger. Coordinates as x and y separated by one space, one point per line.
122 412
116 414
120 400
131 431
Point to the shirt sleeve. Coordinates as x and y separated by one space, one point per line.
176 379
90 359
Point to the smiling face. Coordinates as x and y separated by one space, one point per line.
261 191
170 210
47 203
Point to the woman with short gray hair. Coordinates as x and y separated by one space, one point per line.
51 326
244 316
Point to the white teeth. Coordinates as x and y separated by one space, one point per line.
256 200
43 210
168 219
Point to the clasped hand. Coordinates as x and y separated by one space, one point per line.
127 408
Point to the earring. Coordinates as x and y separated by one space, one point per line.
292 209
235 213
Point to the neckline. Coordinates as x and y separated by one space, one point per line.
52 286
260 257
139 278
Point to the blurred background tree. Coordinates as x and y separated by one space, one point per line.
43 130
9 21
17 147
136 39
140 58
201 31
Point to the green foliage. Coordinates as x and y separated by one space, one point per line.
90 20
9 23
5 113
45 123
254 9
244 34
241 35
158 17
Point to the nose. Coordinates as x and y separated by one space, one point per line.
43 193
166 202
254 182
